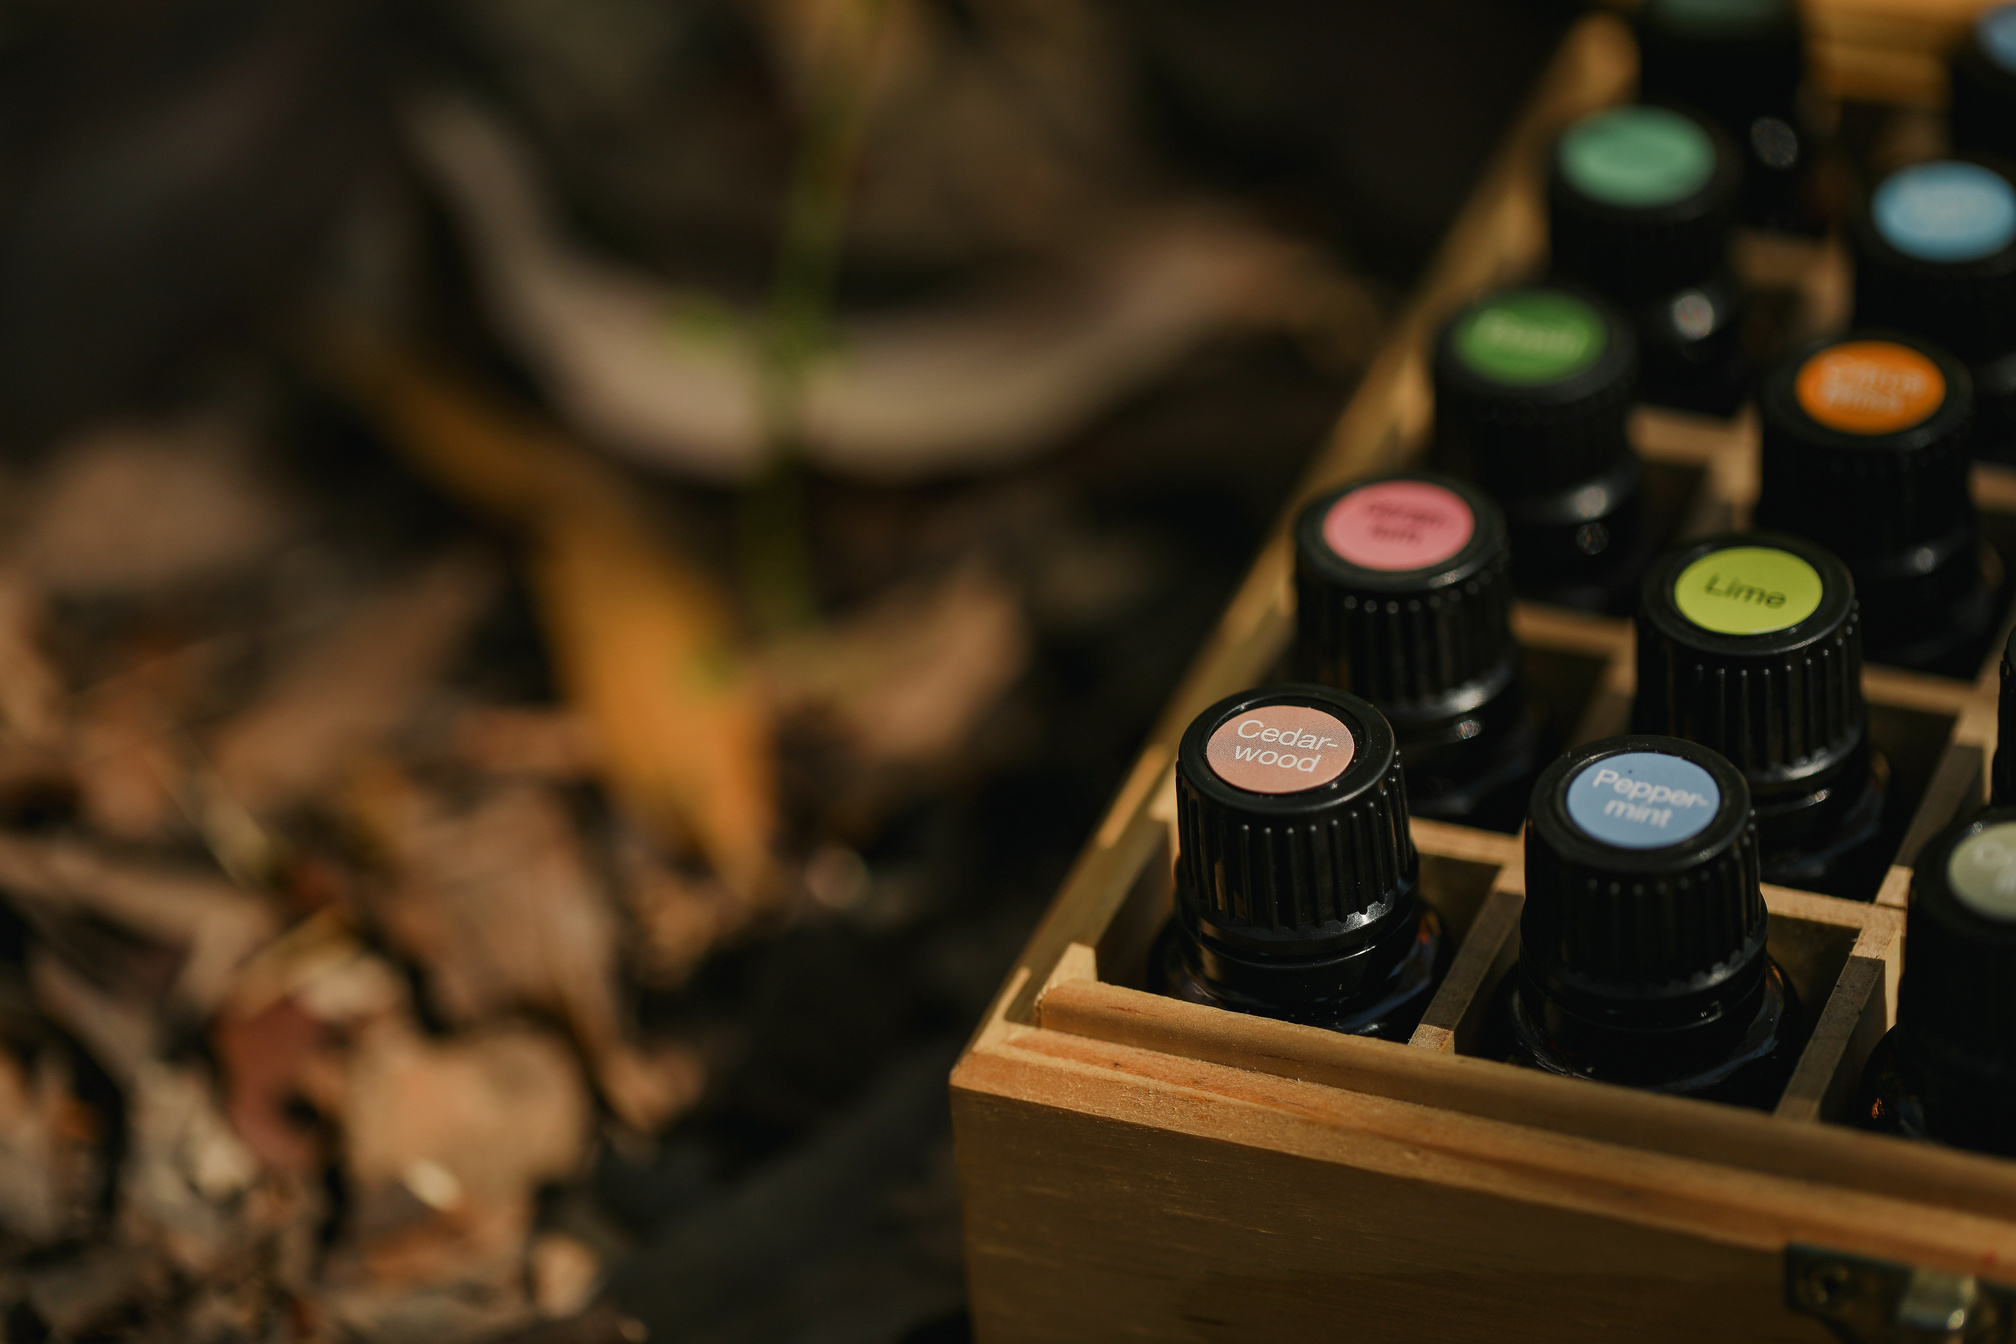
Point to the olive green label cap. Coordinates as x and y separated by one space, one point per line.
1982 871
1748 590
1637 157
1531 336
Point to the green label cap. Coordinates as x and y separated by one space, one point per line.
1637 157
1982 871
1531 336
1748 590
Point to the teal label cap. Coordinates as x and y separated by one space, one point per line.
1637 157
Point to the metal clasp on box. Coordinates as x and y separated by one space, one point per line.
1867 1301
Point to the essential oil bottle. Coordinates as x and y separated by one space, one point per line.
1532 387
1866 441
1983 70
1404 597
1640 204
2002 773
1935 254
1751 644
1741 62
1947 1070
1297 884
1643 956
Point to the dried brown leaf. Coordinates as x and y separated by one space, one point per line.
907 681
497 902
215 925
349 690
47 1157
447 1142
131 509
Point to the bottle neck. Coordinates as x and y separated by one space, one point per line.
1282 983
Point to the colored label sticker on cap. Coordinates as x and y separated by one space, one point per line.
1982 871
1398 525
1531 336
1997 31
1945 212
1870 387
1642 799
1748 590
1637 157
1280 749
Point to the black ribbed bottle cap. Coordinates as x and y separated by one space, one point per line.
1532 386
1983 113
1749 643
1957 1003
1866 447
1935 253
2002 775
1641 201
1736 60
1642 883
1293 852
1403 596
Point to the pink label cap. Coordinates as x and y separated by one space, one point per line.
1280 749
1397 525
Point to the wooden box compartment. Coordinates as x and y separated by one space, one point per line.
1136 1167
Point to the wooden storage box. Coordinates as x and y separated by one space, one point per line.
1138 1168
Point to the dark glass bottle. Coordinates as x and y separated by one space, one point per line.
1935 255
1750 644
1297 884
1532 387
1404 597
2002 774
1865 451
1947 1070
1983 69
1740 62
1643 954
1640 206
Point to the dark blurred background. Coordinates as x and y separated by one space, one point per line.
384 387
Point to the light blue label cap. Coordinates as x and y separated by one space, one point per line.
1642 799
1997 30
1946 211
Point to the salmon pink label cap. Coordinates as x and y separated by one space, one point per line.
1280 749
1398 525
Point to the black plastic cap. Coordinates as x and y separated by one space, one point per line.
1967 306
1983 112
1638 254
1735 63
1957 1002
1427 642
1525 439
1317 871
1660 930
1869 497
1783 706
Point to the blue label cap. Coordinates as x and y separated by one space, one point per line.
1946 211
1642 799
1997 31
